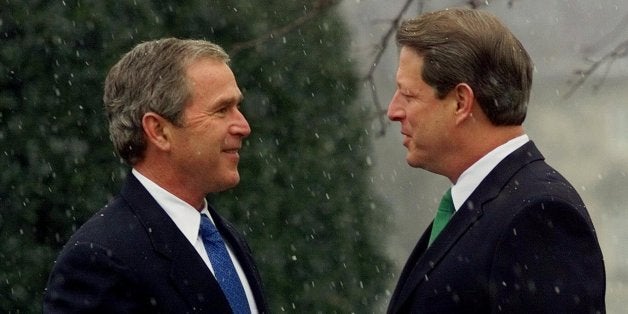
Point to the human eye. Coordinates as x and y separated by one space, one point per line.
403 94
406 92
223 110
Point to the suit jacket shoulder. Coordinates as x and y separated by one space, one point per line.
131 257
522 242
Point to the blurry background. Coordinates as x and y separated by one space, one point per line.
305 201
583 133
327 201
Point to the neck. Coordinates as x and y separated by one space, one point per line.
476 145
161 175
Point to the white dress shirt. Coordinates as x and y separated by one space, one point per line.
188 220
473 176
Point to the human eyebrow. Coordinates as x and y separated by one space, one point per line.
237 100
401 87
405 91
229 102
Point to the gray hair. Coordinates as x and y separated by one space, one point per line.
150 78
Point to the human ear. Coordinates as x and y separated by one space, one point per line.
465 100
156 130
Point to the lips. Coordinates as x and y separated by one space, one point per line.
232 148
406 139
233 152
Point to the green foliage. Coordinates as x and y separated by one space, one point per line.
304 200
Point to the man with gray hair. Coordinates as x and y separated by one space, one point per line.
511 235
159 247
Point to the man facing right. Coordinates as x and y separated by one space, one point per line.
511 235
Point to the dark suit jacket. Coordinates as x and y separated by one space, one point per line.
523 242
130 257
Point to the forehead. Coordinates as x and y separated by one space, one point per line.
212 78
410 66
206 70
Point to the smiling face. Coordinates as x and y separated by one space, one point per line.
205 149
426 120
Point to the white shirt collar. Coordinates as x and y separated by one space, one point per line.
188 220
471 178
184 215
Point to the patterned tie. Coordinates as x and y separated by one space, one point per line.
444 213
224 270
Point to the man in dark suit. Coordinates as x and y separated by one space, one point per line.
511 235
173 111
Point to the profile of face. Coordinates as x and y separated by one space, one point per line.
425 119
205 150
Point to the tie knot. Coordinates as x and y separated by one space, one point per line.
446 203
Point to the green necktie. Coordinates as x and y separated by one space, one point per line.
444 213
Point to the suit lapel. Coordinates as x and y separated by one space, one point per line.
188 274
197 284
423 259
405 283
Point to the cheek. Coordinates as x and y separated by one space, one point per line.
416 123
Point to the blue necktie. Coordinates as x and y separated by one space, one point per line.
224 270
444 213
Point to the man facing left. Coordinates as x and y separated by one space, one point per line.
173 111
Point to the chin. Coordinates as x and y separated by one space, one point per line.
233 181
227 182
418 159
413 162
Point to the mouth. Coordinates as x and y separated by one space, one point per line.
234 152
231 150
406 139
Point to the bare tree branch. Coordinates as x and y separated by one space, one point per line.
318 7
474 4
607 39
620 51
370 77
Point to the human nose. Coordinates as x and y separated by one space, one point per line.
241 126
395 112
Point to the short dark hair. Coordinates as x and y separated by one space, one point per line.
473 47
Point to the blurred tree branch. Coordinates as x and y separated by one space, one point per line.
381 48
318 7
620 51
607 60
